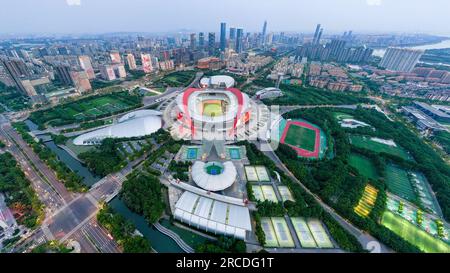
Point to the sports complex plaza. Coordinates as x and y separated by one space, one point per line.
212 118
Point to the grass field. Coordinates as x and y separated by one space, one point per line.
212 109
364 166
366 143
413 234
86 109
341 116
398 183
301 137
367 201
176 79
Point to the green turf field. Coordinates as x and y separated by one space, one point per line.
341 116
363 165
366 143
212 109
301 137
398 183
86 109
413 234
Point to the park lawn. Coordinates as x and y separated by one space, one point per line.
341 116
413 234
377 147
301 137
364 166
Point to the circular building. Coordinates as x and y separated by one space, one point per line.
210 112
214 176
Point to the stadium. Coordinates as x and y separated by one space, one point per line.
220 113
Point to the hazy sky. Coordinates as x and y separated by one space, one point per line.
99 16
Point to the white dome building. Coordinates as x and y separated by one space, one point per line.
214 176
135 124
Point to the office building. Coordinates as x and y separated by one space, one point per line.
16 70
201 39
400 59
115 57
239 38
193 40
316 34
263 37
223 37
211 42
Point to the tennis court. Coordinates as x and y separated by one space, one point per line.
257 192
269 193
319 234
285 193
250 173
282 232
303 232
263 176
271 239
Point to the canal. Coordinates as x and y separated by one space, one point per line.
160 242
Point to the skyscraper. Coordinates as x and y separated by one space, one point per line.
115 57
223 37
193 39
316 34
232 33
400 59
211 42
239 37
146 63
63 74
201 39
264 33
319 36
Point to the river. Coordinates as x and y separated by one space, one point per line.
444 44
160 242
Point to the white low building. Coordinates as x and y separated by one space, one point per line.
217 81
212 215
135 124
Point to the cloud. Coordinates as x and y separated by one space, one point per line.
73 2
374 2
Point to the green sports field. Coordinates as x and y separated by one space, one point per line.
413 234
301 137
363 165
368 144
212 109
398 183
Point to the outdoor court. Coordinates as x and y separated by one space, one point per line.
303 137
413 234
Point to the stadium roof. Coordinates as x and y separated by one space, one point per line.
212 215
138 114
214 182
139 126
218 80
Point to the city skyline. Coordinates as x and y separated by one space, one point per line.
101 17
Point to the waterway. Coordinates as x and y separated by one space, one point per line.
160 242
443 44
